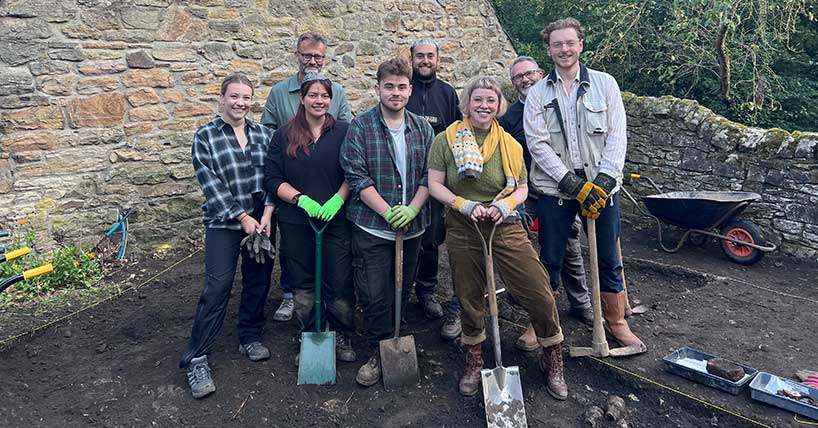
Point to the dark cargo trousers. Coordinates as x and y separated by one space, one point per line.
221 256
373 261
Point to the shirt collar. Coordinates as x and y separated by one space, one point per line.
220 123
583 75
292 84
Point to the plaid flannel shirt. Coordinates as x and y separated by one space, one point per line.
367 157
230 176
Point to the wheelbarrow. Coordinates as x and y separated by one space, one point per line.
706 215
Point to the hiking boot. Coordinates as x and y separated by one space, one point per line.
551 365
255 351
470 381
370 373
343 348
431 307
198 377
451 325
585 315
285 311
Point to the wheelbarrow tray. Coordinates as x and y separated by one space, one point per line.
699 210
691 364
765 388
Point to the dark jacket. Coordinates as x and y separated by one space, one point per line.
436 101
512 122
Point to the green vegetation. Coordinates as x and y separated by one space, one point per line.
74 268
755 62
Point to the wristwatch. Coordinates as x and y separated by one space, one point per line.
295 198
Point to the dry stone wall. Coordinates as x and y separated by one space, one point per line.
684 146
99 99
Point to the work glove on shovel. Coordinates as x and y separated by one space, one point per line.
259 244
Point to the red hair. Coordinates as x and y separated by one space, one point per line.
299 135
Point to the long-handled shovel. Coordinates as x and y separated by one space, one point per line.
599 345
11 255
31 273
502 390
639 309
399 358
316 364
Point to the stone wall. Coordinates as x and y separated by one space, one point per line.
684 146
99 98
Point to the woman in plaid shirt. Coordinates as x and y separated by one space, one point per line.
228 158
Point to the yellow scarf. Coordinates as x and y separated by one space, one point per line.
469 157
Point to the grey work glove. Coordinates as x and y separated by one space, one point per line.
258 245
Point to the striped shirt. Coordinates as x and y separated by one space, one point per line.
229 175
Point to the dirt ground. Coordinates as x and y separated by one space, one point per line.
115 364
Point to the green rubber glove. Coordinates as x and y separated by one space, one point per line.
403 216
389 213
309 206
330 208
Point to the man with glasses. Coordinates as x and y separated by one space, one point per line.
436 101
282 103
575 128
524 73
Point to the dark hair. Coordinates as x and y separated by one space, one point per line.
236 78
299 135
311 38
561 25
394 67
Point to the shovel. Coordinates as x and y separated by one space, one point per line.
31 273
399 359
599 345
316 364
502 390
639 309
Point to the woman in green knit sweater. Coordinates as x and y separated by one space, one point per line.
476 169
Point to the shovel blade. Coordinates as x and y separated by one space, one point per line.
399 362
503 398
316 365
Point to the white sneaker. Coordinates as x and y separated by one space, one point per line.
285 311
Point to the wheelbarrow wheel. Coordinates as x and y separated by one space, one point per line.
747 232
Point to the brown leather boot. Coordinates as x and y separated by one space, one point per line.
551 365
613 310
470 381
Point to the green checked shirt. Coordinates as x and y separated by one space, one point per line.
368 159
230 176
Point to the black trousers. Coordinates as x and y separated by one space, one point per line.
373 261
337 290
435 234
221 257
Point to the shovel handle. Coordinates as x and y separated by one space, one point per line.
398 280
491 289
319 239
42 270
11 255
599 344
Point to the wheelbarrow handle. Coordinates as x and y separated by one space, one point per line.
31 273
11 255
4 233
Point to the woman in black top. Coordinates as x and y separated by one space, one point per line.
302 167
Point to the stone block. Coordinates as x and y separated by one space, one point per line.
24 29
180 125
97 111
250 67
152 78
138 129
22 101
139 59
217 51
95 68
142 96
39 68
140 17
50 10
95 85
197 77
174 95
60 85
16 53
190 110
15 81
49 117
29 141
786 226
182 26
65 51
148 113
175 54
100 19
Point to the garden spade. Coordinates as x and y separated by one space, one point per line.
31 273
639 309
502 390
599 345
399 359
316 364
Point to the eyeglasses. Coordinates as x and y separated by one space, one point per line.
527 74
570 44
309 57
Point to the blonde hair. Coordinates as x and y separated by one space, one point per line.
482 82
